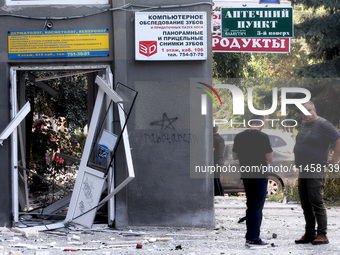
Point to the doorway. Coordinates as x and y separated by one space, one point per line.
49 143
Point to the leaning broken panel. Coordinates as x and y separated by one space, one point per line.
99 153
92 174
124 110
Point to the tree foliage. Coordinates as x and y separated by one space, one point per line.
282 65
64 114
70 104
319 26
230 65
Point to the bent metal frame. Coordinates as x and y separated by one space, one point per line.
91 181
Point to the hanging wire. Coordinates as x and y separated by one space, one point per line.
124 7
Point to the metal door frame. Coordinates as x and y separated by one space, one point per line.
14 137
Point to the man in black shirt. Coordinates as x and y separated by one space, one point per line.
252 149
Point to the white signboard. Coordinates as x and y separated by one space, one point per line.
171 36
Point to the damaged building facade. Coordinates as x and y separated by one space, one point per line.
168 127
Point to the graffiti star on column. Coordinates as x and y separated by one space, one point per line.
165 123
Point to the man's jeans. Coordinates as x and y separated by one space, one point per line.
312 203
256 191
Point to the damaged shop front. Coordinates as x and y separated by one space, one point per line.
100 120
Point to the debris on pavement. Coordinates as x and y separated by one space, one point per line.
282 225
26 234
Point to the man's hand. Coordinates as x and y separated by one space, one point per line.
336 154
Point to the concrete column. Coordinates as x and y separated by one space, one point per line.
5 155
165 139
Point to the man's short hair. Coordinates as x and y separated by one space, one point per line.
257 120
215 128
310 103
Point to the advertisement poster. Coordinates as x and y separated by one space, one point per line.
171 36
68 43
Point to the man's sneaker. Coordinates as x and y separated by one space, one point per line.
306 239
258 243
320 239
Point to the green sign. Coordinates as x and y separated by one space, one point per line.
257 22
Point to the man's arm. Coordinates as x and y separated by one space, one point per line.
235 156
336 154
269 156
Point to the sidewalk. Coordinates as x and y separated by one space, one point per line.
282 224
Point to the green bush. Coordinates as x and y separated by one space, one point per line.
276 198
291 192
332 190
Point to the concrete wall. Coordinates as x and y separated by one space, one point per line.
163 192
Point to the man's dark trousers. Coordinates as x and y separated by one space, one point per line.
312 203
256 191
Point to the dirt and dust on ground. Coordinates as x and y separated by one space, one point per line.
282 224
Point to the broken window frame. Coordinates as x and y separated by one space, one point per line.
14 139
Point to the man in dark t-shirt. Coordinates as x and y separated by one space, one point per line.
311 157
252 149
